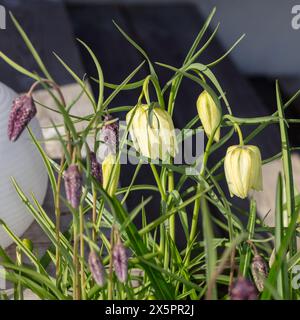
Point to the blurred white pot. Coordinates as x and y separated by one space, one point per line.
22 161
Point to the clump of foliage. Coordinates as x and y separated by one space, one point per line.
126 262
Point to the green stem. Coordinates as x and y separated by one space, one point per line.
172 218
206 153
99 217
287 167
194 222
57 216
172 96
198 200
110 272
210 251
283 276
76 282
250 228
239 131
162 245
146 89
94 214
81 231
158 92
158 182
18 292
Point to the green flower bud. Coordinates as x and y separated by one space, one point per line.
152 132
209 114
110 178
28 244
243 170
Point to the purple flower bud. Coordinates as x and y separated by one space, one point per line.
259 270
243 289
96 167
73 185
23 110
110 134
97 269
120 261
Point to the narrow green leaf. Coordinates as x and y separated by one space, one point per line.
200 35
282 277
250 228
100 75
18 67
163 290
211 255
78 80
287 166
31 48
212 64
142 51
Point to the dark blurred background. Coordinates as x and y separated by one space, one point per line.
166 29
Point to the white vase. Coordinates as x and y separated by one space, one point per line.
20 160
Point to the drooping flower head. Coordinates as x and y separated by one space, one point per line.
209 114
243 170
243 289
73 185
23 110
152 132
259 270
120 261
109 136
97 269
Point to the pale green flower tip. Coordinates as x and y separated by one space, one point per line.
110 181
28 244
217 135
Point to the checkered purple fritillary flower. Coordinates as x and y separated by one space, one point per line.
110 134
73 185
259 271
120 261
97 269
96 168
243 289
23 110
